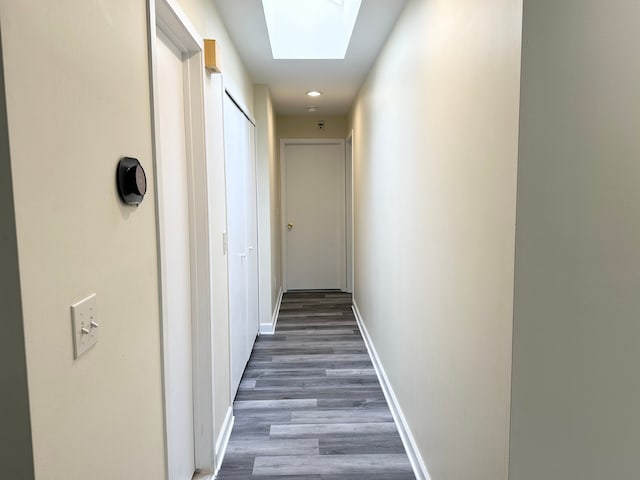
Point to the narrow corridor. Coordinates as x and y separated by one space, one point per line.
310 406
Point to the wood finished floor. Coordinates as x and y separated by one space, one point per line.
309 405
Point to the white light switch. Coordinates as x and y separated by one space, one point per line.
84 320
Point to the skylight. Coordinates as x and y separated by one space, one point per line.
310 29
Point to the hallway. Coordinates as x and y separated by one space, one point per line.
310 405
491 232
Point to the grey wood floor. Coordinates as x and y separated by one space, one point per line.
309 405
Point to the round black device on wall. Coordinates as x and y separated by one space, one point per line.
132 181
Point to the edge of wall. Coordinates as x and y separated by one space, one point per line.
270 328
16 443
223 439
417 463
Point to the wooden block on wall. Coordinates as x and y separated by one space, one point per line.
212 56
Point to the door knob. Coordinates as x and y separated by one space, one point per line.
290 226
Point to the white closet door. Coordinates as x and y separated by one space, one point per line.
242 237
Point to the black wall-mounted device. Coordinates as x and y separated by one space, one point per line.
132 181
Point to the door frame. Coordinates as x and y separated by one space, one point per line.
350 212
168 17
284 142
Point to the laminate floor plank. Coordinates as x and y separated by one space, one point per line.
330 464
310 406
317 430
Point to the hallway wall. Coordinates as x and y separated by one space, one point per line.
205 17
269 227
77 86
78 99
306 126
575 371
436 142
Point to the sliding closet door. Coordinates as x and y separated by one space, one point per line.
242 237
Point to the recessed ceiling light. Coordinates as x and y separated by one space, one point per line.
314 93
312 109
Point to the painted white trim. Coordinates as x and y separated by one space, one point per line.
349 213
223 439
283 217
283 203
270 328
170 18
166 16
417 462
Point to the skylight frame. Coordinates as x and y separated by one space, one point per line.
310 29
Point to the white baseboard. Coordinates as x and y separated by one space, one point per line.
223 439
270 328
417 463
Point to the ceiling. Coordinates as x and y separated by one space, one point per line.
289 80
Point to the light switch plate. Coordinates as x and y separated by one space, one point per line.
84 320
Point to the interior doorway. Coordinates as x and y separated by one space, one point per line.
177 80
314 214
177 294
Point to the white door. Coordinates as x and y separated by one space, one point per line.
242 237
314 183
173 191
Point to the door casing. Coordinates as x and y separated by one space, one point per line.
167 16
350 215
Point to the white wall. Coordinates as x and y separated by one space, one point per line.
205 17
436 139
269 228
77 87
575 373
276 212
306 126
